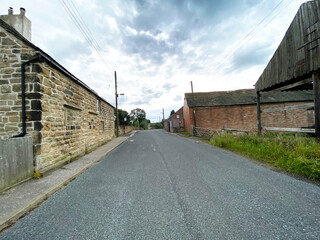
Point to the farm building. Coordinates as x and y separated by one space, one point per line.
175 122
295 66
42 99
237 111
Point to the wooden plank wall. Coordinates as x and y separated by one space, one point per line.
298 55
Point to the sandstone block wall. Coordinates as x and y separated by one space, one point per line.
12 53
127 130
65 119
74 121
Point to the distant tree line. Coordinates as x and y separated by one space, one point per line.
158 125
136 118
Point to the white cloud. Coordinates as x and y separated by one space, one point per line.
158 47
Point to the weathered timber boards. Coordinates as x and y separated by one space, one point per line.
298 54
299 130
288 87
316 93
288 108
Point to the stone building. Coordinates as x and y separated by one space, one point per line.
39 97
237 111
175 122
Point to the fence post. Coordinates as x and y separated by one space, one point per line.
259 113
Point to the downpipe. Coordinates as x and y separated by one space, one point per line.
23 95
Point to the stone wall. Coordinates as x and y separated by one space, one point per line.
128 130
74 120
65 119
12 53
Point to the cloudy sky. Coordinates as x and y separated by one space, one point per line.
158 46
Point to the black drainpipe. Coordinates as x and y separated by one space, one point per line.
23 95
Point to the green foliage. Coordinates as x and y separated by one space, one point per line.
293 153
123 114
138 118
172 112
144 124
158 125
138 114
37 175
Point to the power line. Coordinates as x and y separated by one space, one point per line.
85 26
75 16
97 46
247 37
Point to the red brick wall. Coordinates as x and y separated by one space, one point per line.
244 117
177 123
237 117
291 118
187 116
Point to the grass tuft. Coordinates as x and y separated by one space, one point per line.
294 153
186 133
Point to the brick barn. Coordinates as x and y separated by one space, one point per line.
237 111
295 65
42 99
175 122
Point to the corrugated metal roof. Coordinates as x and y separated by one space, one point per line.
243 97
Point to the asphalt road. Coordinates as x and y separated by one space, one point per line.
161 186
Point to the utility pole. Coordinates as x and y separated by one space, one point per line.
116 93
163 116
316 93
194 111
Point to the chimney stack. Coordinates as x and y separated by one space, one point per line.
19 22
22 11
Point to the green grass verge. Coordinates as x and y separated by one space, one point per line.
293 153
186 133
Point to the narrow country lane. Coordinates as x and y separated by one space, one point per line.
161 186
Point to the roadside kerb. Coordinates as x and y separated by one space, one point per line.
20 200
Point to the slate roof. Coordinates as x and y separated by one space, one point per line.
243 97
50 60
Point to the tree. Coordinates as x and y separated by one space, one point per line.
157 125
172 112
138 115
123 114
144 124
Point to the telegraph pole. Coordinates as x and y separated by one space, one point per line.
163 116
116 93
